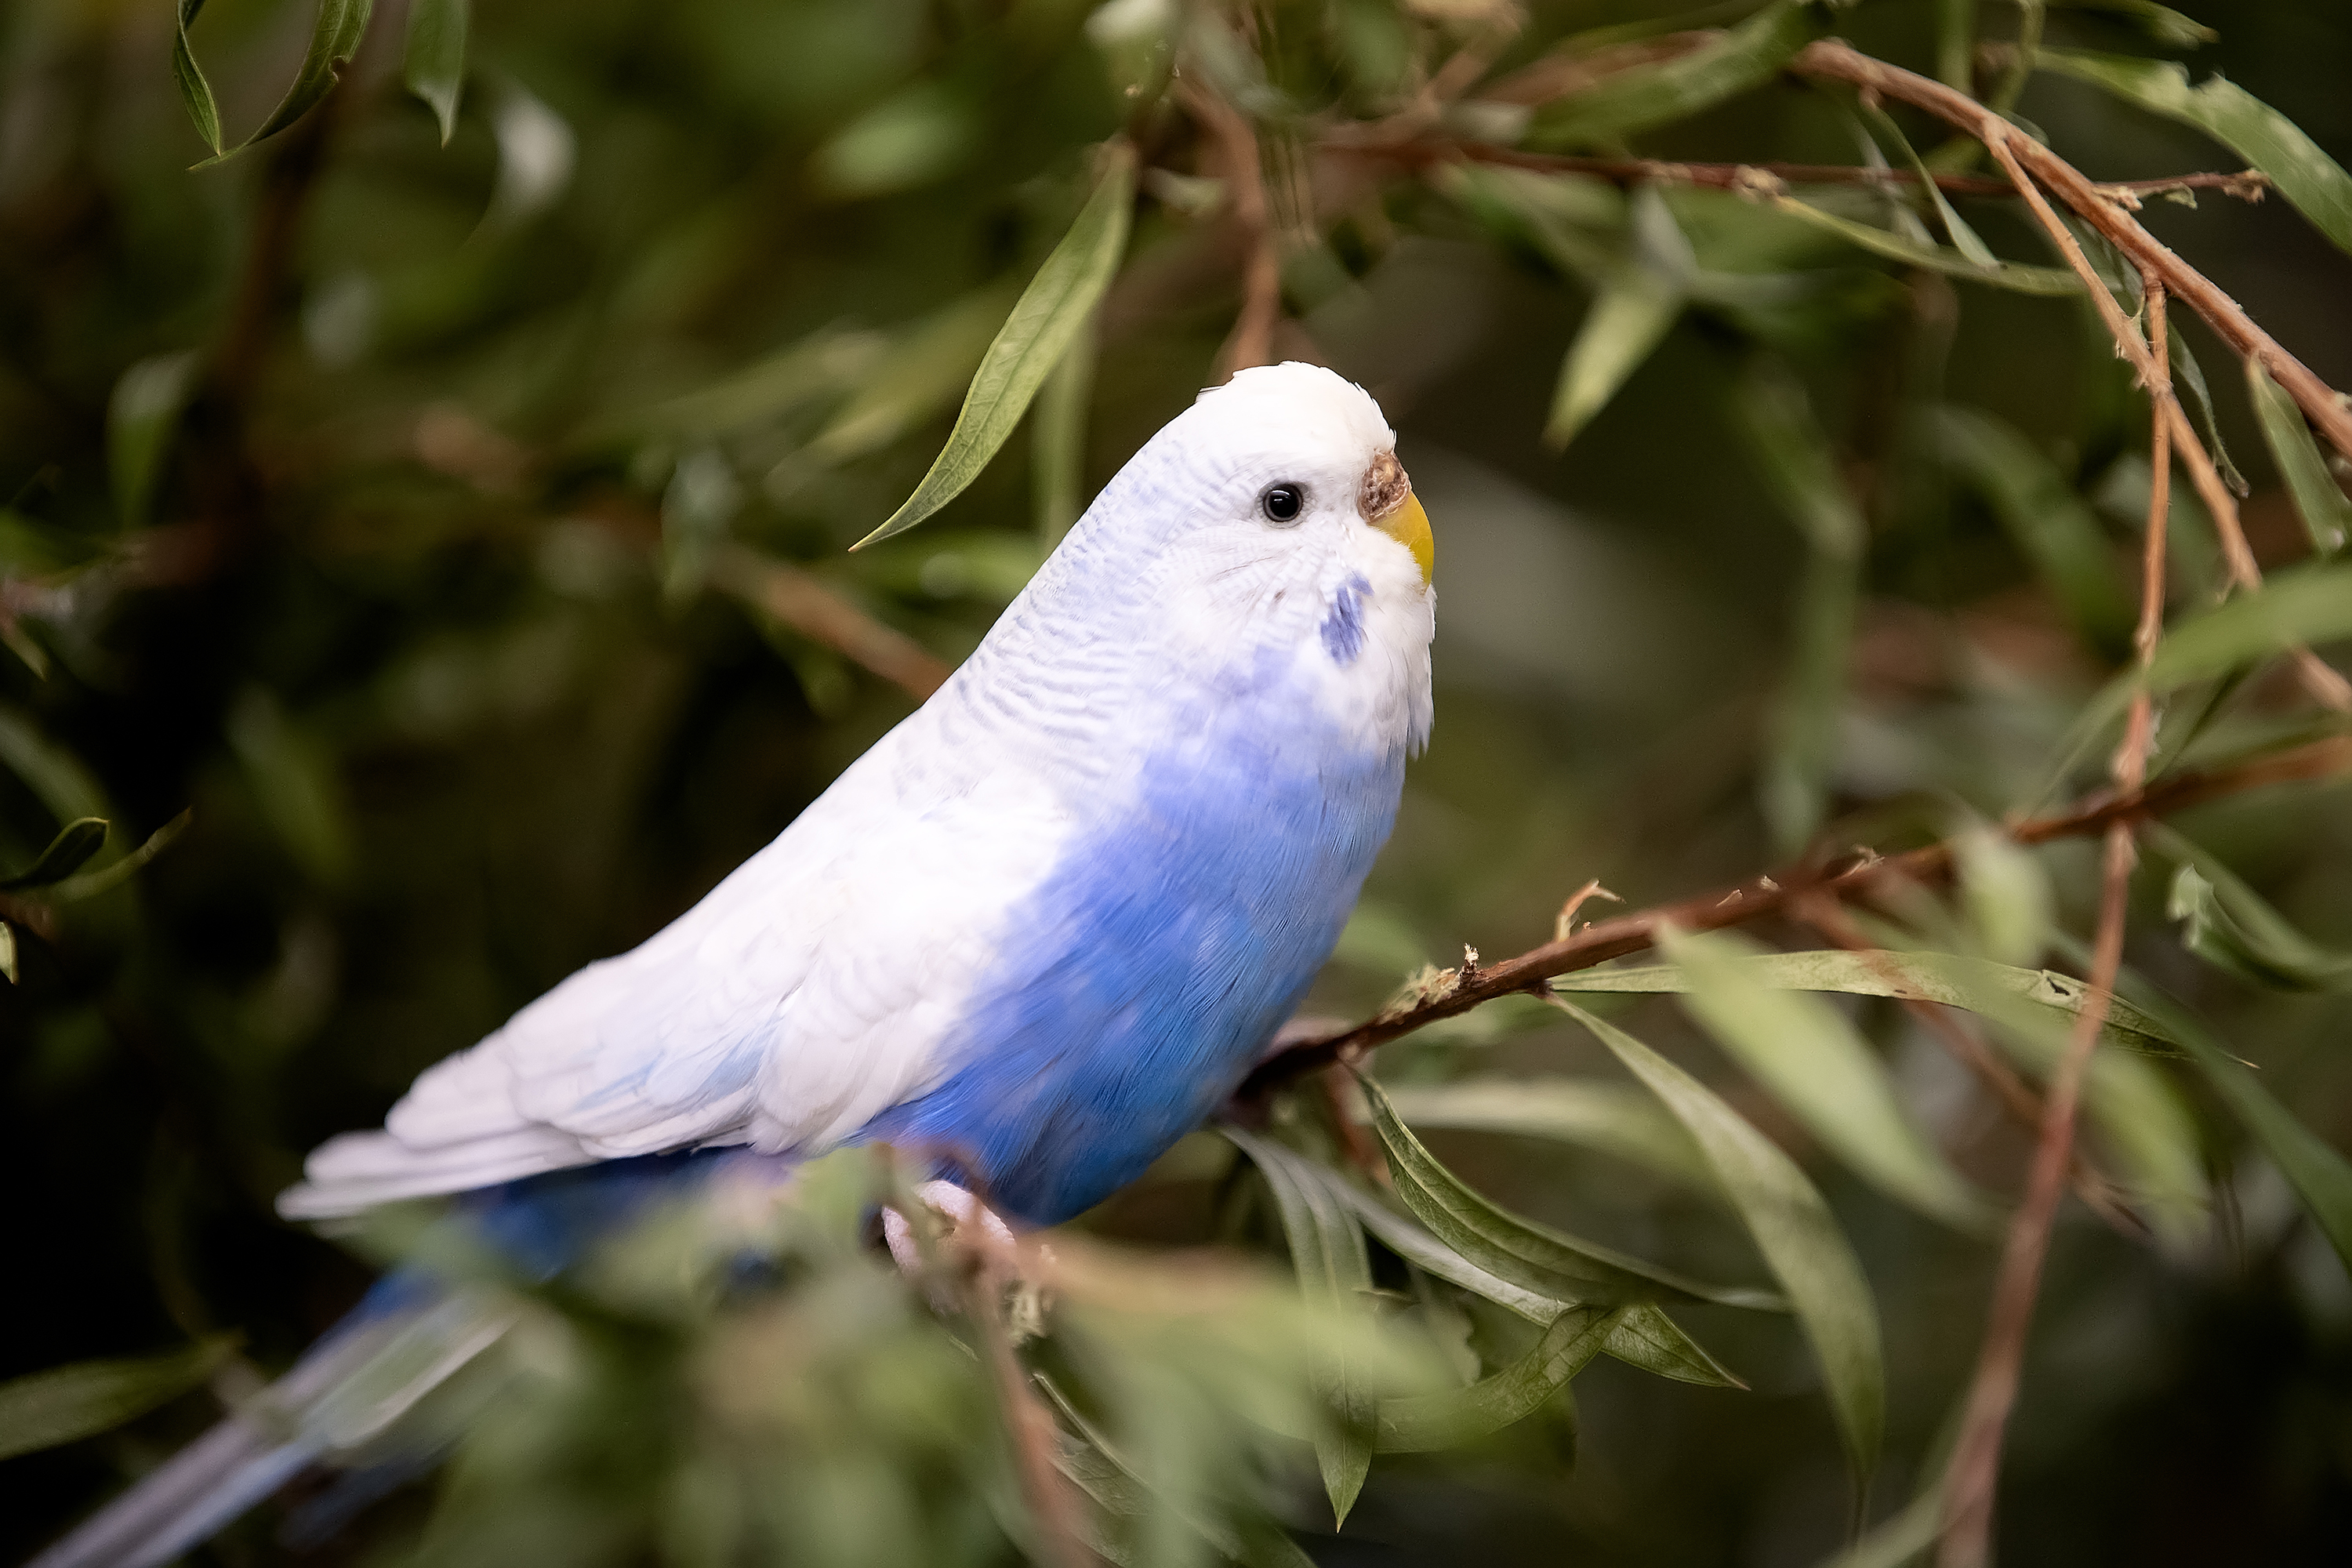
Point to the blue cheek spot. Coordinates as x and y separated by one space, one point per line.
1343 628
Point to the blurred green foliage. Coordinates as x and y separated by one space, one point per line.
423 544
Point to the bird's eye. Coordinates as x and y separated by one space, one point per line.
1282 503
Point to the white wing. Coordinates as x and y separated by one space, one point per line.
805 994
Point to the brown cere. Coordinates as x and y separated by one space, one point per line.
1385 488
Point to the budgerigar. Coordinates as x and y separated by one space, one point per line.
1041 929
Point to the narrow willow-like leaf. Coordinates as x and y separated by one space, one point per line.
1965 240
2235 929
1101 1469
195 92
1772 415
1631 314
2014 276
76 842
1612 1118
1794 1229
334 40
335 34
2306 604
1956 44
1531 1256
2318 500
1419 1423
2040 512
143 414
8 951
1978 984
2320 1176
1043 322
69 1403
1634 100
2306 175
1327 1250
2161 23
434 65
1645 1336
2188 372
1820 1069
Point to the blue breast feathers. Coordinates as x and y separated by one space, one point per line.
1141 980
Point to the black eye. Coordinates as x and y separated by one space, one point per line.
1282 503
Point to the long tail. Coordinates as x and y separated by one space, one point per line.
347 1403
335 1406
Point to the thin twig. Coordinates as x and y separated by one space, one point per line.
1029 1425
1970 1050
2251 185
1967 1535
1836 62
1252 340
1772 895
803 602
2154 368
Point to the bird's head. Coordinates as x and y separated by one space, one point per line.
1267 533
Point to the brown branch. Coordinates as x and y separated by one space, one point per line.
1833 60
803 602
1029 1426
1967 1533
2252 186
1772 895
1252 341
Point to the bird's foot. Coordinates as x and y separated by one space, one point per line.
967 1226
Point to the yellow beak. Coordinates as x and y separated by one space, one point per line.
1409 526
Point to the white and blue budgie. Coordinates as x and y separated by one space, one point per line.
1041 929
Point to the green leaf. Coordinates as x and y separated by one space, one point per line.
1637 99
2320 1176
90 884
335 34
2306 604
1044 320
1533 1256
195 92
2014 276
69 1403
334 40
2307 177
8 951
142 415
1327 1250
2235 929
2326 514
1977 984
1956 44
1645 1336
1771 413
1419 1423
2038 510
76 842
2161 23
1630 316
1792 1228
2005 893
1820 1069
1966 240
1612 1118
435 66
2186 372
